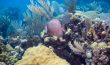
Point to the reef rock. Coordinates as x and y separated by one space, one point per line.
41 55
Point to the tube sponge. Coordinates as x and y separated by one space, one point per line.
41 55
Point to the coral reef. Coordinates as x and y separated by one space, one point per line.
23 41
5 51
81 37
67 37
100 56
95 38
80 40
41 55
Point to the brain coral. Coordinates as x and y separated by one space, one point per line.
41 55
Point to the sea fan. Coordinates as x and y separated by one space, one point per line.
39 12
41 7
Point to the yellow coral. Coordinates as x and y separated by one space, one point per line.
94 45
101 45
108 46
41 55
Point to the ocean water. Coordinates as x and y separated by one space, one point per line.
22 4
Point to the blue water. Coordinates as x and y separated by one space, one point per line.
22 4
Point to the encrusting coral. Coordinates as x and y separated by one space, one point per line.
5 54
41 55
